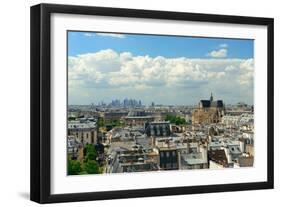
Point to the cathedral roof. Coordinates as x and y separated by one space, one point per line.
208 103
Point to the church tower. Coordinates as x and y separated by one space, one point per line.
211 98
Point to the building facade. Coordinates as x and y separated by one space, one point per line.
208 111
137 118
158 129
84 132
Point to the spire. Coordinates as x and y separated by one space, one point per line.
211 98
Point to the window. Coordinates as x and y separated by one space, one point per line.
167 154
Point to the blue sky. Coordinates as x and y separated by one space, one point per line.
157 45
162 69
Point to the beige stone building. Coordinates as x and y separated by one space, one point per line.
208 111
84 132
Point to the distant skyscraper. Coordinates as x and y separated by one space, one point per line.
127 103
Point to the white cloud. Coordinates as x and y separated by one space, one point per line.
89 34
114 35
223 45
115 72
221 53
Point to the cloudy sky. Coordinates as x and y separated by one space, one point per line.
161 69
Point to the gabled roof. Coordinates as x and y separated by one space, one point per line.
218 103
218 156
205 103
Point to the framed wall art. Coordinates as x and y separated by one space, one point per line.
132 103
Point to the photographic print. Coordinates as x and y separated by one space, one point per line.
148 102
130 103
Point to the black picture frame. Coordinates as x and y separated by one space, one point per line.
41 98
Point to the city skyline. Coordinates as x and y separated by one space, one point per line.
172 70
102 102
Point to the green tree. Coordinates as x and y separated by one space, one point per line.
90 152
100 122
175 119
71 118
91 167
110 124
73 167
